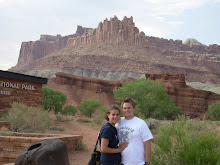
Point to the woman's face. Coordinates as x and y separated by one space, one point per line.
114 116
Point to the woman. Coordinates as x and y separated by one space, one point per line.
108 138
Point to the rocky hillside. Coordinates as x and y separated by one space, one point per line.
117 49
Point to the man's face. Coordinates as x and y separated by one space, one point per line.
128 110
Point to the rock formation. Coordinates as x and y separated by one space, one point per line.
116 48
78 88
192 101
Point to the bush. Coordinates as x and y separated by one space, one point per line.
84 120
28 119
153 124
80 146
5 132
59 117
57 128
214 110
89 106
99 118
186 142
69 110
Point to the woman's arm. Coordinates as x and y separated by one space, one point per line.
106 149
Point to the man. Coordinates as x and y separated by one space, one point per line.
135 131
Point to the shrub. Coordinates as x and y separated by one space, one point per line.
69 110
99 118
214 110
83 120
57 128
80 146
59 117
5 132
89 106
186 142
28 119
153 124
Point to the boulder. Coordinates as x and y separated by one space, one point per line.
48 152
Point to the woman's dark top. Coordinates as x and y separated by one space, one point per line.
110 132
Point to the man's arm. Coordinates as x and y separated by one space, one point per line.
147 148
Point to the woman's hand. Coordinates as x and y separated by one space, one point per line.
123 146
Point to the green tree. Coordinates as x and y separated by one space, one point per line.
89 106
69 110
214 110
53 100
150 97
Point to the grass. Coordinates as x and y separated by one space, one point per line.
184 141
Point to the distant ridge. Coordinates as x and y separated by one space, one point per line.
192 42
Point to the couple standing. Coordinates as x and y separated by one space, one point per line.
131 132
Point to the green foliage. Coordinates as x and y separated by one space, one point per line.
99 118
69 110
153 124
84 120
150 97
5 132
28 119
214 110
80 146
186 142
57 128
59 117
89 106
53 100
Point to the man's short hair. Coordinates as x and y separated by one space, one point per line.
128 100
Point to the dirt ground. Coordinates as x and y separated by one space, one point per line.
89 133
87 130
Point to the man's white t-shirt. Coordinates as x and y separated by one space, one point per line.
136 132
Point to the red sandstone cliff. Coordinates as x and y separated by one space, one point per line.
34 50
194 102
78 88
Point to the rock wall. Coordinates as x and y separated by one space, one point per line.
112 31
193 102
34 50
78 88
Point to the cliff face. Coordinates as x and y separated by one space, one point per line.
78 88
34 50
112 31
193 102
117 48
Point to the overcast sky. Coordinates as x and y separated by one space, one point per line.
26 20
